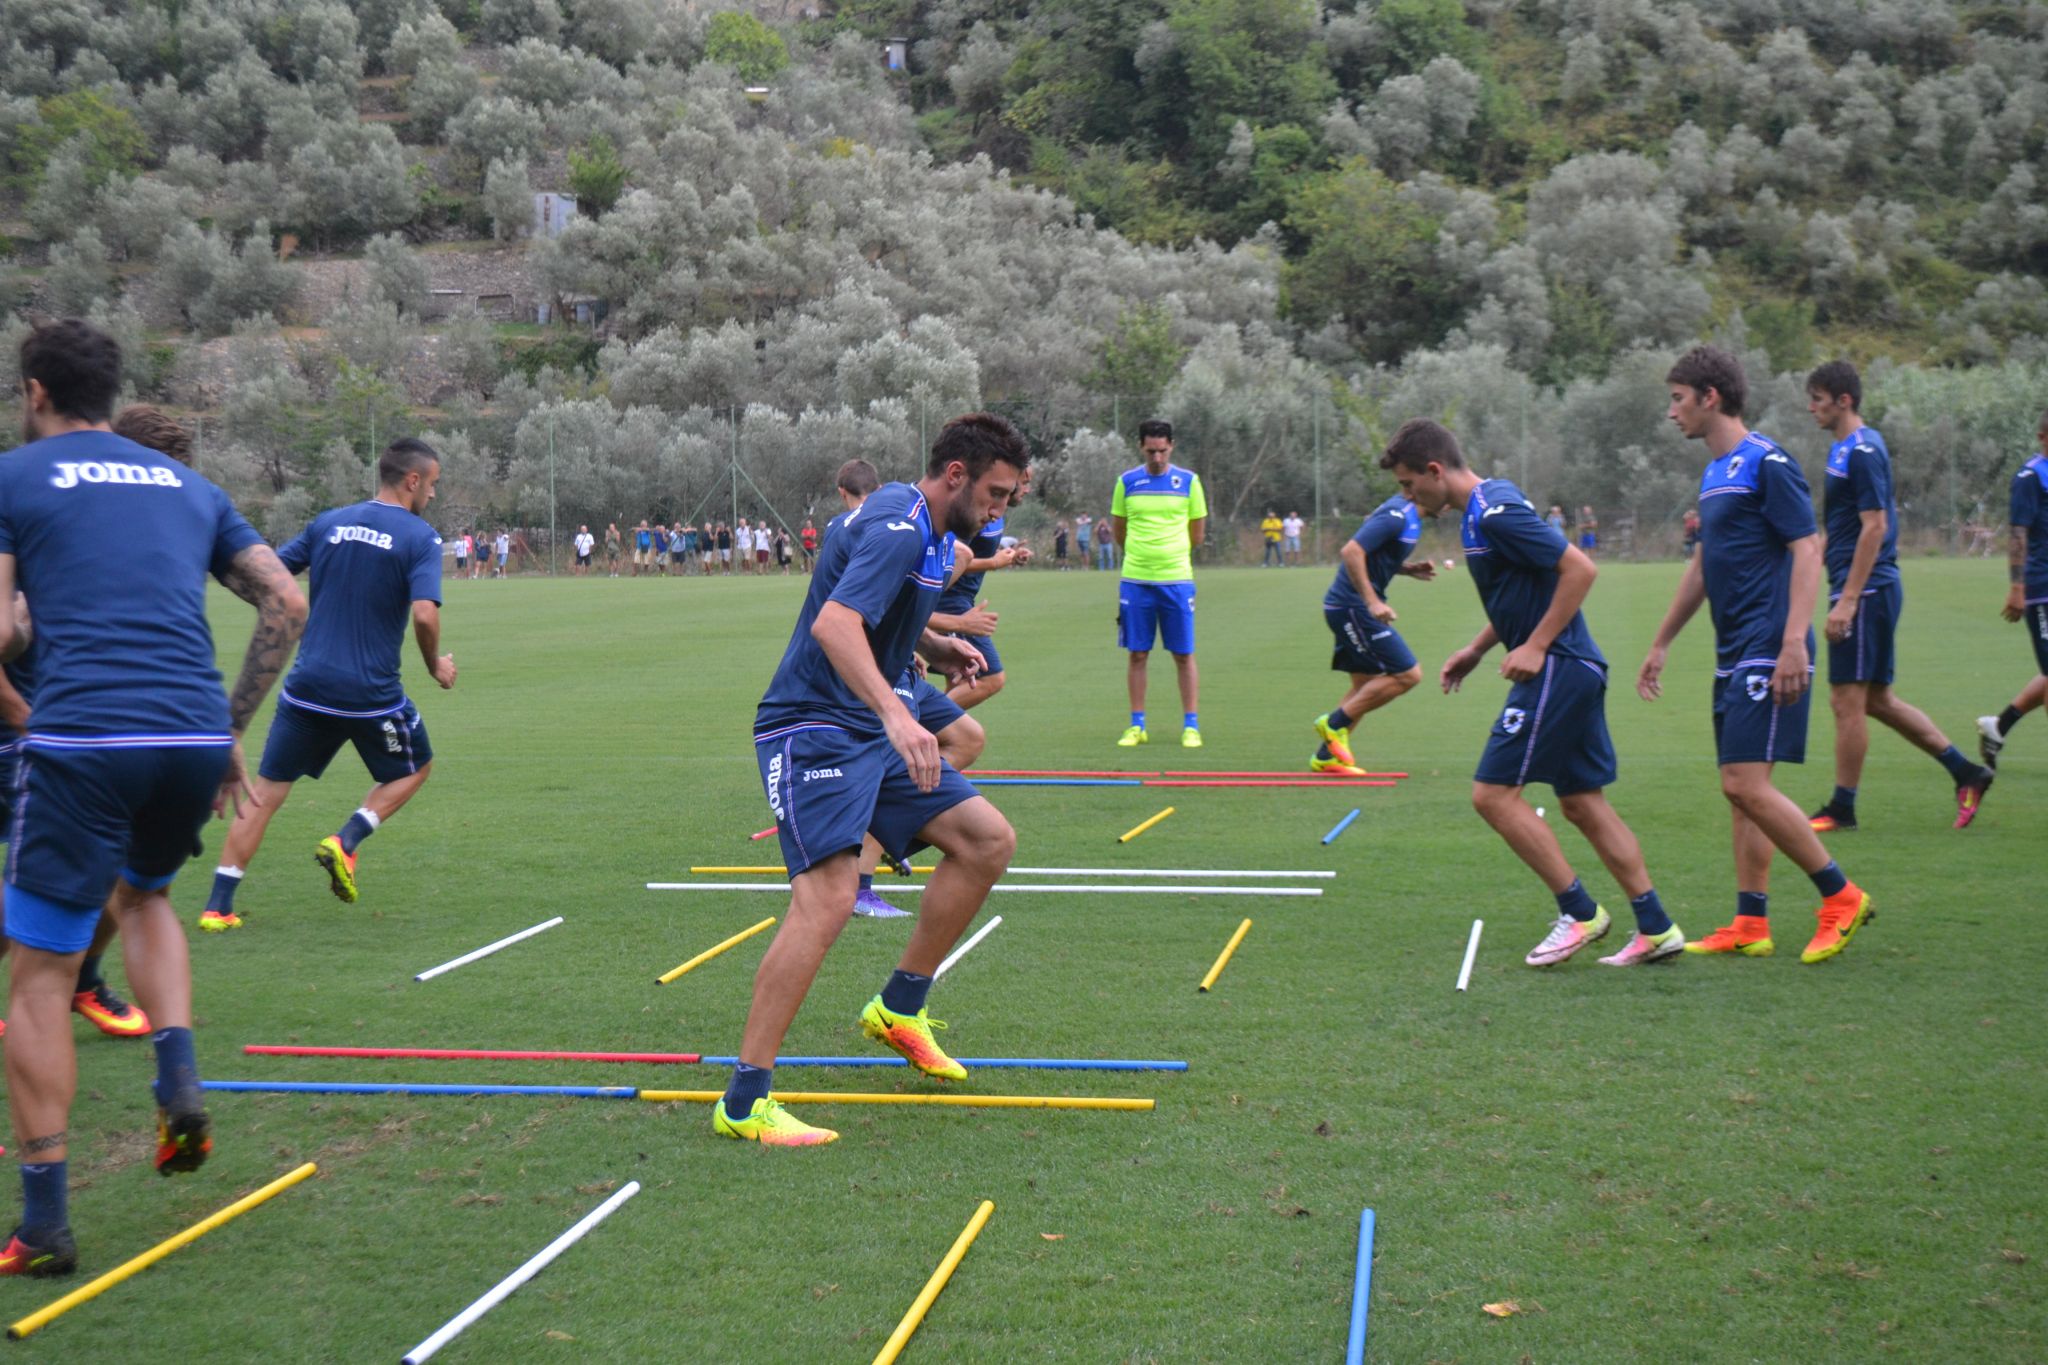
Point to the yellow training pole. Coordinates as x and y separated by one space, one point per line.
1224 957
42 1317
1126 838
912 1097
929 1295
765 871
710 953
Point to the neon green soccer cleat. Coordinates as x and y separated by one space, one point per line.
910 1035
1133 737
340 865
1338 740
769 1124
1191 738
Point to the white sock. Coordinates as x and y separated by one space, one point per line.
368 817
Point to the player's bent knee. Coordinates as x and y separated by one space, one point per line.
1492 801
962 742
1851 699
1583 808
1404 681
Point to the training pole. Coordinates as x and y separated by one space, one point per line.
961 951
42 1317
1057 781
762 835
1361 1291
1240 782
1294 775
1061 772
1131 834
579 1092
910 1097
1045 890
764 870
994 1063
1224 956
709 953
503 1289
1471 952
487 949
1341 825
927 1296
469 1054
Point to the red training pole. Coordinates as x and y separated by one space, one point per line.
473 1054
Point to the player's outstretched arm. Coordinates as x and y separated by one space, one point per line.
1692 593
426 629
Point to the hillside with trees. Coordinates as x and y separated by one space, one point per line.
313 225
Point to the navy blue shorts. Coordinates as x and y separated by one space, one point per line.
992 661
1553 730
1164 609
829 789
935 710
1364 645
86 817
1749 725
303 741
1870 654
9 770
2037 628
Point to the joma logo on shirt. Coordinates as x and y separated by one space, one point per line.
360 533
70 475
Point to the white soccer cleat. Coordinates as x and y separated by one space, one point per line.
1644 947
1567 936
1989 741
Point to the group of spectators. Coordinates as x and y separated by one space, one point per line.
476 551
1282 537
713 548
1586 530
1090 538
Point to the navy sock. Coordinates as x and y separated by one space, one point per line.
89 973
1829 880
1190 720
1138 719
749 1083
1650 916
1844 799
1754 904
2007 718
905 992
176 1067
1339 719
867 881
1574 901
1960 768
360 826
45 1186
225 884
1323 751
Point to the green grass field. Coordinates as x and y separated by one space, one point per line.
1711 1160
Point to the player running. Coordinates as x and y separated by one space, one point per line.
131 745
1758 566
2027 598
375 565
1368 647
1532 581
1158 515
959 614
1866 598
841 756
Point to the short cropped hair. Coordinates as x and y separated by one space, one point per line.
1837 379
1155 426
1710 367
149 425
1421 443
858 478
406 455
978 440
77 364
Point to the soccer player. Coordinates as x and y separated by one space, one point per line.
2027 597
1758 567
132 744
1865 599
1532 582
842 757
1157 516
1380 664
374 566
958 613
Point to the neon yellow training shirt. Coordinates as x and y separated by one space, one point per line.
1156 510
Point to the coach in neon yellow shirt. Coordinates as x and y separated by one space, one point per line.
1157 516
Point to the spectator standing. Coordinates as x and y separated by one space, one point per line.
1290 544
612 541
1083 527
1589 530
1554 518
463 544
725 547
659 534
585 543
643 546
761 546
782 549
1059 545
1692 530
809 537
1269 532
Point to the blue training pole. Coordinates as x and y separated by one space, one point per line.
1342 825
587 1092
1361 1290
993 1063
1056 781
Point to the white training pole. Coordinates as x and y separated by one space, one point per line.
894 888
487 950
1471 952
961 951
503 1289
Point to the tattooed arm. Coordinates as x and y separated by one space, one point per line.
259 578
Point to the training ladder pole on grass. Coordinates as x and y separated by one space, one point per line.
1361 1291
929 1295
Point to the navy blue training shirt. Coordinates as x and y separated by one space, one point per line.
959 598
2030 512
1513 554
1754 502
883 562
1386 537
1859 481
113 543
370 562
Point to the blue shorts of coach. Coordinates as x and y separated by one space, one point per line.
829 789
1164 610
1749 725
303 741
1869 655
1364 645
1553 730
87 817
